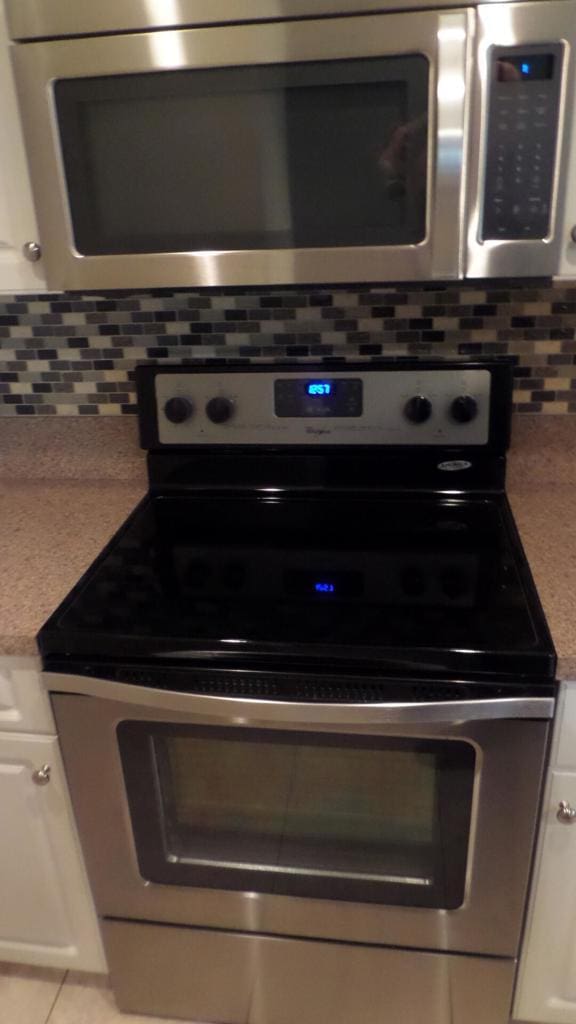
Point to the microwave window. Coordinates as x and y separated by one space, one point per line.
302 155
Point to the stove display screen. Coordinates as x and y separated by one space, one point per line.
318 397
319 387
324 587
340 583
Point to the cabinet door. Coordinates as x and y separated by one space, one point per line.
24 703
46 912
17 217
546 990
563 756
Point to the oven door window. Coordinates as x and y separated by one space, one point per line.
338 817
316 154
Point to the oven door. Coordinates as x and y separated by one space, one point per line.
281 152
399 825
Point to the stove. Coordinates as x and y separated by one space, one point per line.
304 699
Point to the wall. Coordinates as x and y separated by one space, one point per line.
74 354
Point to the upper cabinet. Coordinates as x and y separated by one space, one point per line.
17 218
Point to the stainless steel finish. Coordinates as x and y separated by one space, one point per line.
382 420
29 19
573 234
42 775
32 251
490 918
179 972
443 36
521 24
277 714
566 813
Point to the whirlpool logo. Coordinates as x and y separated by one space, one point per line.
454 466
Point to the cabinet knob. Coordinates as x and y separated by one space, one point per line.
42 775
566 813
32 251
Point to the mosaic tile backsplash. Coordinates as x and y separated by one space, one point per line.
70 354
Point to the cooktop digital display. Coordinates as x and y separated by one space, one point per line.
319 396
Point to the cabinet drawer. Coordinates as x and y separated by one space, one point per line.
24 704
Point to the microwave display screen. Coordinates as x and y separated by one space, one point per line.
534 67
271 156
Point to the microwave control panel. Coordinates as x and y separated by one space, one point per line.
522 135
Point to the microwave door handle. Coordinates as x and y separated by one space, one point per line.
248 711
454 70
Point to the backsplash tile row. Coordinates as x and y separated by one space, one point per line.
69 354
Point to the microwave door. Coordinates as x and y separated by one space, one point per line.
278 153
519 191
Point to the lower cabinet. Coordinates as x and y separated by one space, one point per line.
546 989
46 912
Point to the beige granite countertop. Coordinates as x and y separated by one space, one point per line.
545 515
51 529
50 532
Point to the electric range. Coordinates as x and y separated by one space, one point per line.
299 693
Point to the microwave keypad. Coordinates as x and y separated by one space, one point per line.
522 134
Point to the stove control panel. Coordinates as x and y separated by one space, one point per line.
344 406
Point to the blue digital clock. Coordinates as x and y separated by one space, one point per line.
305 397
319 387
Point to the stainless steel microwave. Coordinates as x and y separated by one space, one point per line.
210 142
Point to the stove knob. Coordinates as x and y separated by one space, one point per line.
219 410
464 409
418 409
178 410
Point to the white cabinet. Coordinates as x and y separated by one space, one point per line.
546 991
24 704
17 217
47 917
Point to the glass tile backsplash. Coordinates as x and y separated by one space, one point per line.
70 354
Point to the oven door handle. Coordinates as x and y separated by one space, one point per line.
248 711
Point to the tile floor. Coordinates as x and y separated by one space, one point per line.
29 995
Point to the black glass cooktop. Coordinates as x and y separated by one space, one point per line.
417 587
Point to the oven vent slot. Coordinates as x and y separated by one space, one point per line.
293 688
